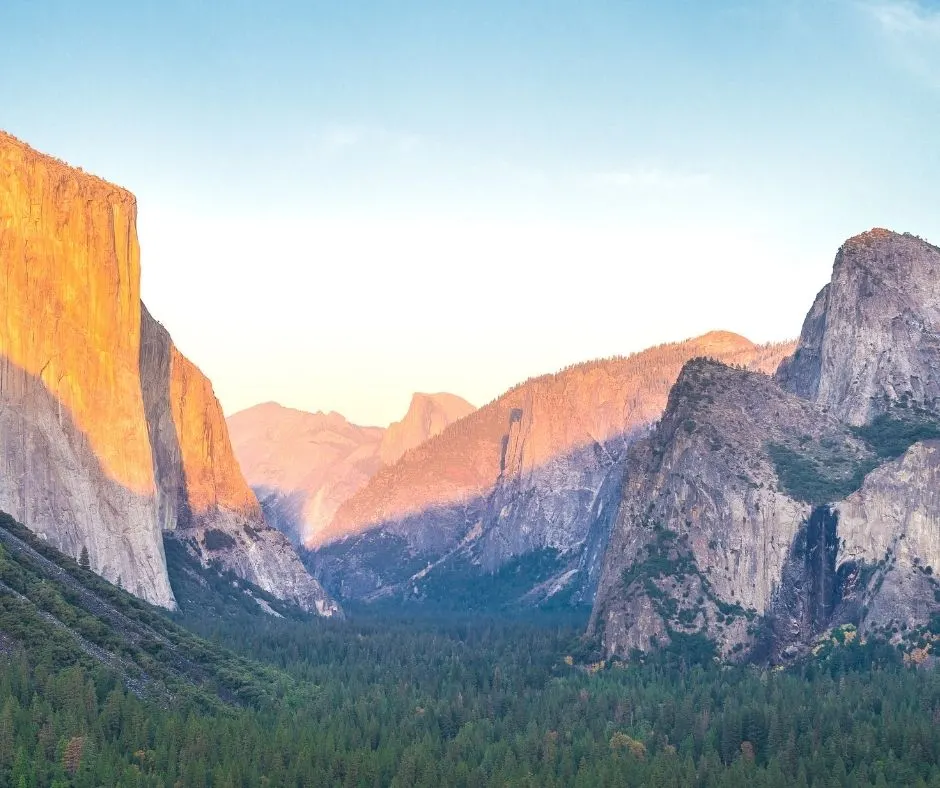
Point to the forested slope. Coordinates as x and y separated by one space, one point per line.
98 688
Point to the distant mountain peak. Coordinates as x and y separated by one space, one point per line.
302 465
427 416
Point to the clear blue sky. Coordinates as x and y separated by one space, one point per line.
341 203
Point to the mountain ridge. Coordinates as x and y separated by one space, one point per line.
813 488
302 465
534 473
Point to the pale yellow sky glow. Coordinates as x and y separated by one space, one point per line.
340 205
355 316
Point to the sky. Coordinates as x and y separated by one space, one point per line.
343 203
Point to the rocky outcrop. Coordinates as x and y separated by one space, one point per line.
428 415
706 525
203 499
538 469
761 513
108 436
73 436
303 466
889 533
872 338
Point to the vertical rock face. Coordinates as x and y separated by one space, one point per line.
73 438
196 471
203 498
872 338
108 436
891 527
536 470
705 529
761 513
427 416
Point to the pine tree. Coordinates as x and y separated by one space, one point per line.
83 561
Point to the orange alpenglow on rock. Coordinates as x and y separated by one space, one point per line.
108 435
73 438
427 416
192 453
71 302
303 466
534 425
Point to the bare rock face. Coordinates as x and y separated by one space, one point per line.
706 528
761 513
872 338
891 528
108 436
203 499
303 466
427 416
538 469
73 437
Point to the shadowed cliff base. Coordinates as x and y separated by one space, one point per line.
52 482
204 501
81 511
811 592
502 550
533 424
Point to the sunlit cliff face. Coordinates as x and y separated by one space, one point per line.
74 444
109 436
70 290
534 425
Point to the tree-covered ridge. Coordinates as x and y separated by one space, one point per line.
820 472
64 615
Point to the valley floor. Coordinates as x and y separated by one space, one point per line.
469 703
100 689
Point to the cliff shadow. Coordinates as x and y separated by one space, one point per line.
814 594
283 510
53 482
528 541
173 506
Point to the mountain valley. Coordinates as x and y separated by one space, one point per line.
469 395
304 466
524 489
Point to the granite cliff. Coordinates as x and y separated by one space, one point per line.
73 435
428 415
202 497
872 337
760 514
108 436
533 476
303 466
706 527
